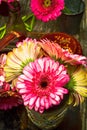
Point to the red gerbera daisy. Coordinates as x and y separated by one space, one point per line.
8 97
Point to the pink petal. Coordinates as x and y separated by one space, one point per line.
37 104
42 101
32 100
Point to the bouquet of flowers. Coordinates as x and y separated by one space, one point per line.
39 73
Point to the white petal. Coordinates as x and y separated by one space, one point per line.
32 100
47 104
23 91
28 75
59 94
57 98
54 102
37 104
40 62
20 85
52 95
42 101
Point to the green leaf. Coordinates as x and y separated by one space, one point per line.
2 31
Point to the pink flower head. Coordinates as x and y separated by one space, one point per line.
42 84
8 97
75 59
46 10
8 101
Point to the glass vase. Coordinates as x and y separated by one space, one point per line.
50 118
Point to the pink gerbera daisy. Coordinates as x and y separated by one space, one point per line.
75 58
9 100
46 10
42 84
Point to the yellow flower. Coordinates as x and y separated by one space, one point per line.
19 57
80 76
75 99
78 86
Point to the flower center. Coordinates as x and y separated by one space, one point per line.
47 3
44 84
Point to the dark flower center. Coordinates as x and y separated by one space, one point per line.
44 84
